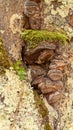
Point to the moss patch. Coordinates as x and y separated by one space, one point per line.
34 37
5 61
21 71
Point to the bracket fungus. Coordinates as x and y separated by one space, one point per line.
46 61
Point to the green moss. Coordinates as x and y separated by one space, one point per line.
21 71
40 105
5 61
47 126
34 37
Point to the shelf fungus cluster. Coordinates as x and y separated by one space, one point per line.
32 10
47 65
43 55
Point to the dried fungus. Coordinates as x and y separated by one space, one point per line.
44 55
47 69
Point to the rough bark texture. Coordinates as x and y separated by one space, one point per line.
16 112
20 106
11 24
58 15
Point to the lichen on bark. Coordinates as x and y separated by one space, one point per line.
5 63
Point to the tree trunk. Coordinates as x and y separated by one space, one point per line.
54 16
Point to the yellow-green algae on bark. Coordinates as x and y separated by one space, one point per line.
42 109
5 61
34 37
